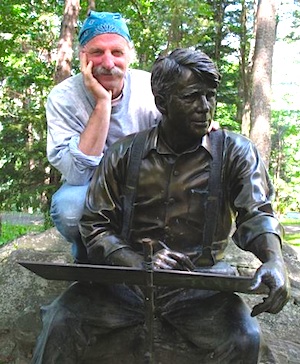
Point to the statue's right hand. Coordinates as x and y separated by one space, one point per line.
169 259
91 83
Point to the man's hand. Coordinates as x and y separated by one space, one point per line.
214 125
272 273
168 259
91 83
93 138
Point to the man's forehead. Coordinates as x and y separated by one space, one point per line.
107 40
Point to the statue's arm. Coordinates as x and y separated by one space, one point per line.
258 229
272 273
101 222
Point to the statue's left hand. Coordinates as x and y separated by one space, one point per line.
274 275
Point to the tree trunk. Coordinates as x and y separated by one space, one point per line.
65 44
92 6
262 78
245 65
219 14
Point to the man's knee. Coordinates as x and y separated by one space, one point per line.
68 202
66 211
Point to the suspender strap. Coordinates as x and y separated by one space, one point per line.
214 184
214 188
132 176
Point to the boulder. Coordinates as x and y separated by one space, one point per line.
22 293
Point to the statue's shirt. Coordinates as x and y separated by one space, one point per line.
172 193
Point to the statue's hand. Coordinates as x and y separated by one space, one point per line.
169 259
274 275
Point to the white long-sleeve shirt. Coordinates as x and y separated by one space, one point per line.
68 110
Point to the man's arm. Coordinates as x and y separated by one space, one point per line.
93 138
272 273
78 122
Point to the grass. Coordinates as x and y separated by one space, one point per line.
291 238
11 232
290 221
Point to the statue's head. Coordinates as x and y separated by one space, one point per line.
184 84
167 69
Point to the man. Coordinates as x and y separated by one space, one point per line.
88 112
173 190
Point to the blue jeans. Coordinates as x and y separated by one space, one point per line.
66 210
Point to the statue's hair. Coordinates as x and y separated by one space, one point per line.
166 70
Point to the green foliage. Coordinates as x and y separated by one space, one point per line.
292 239
29 34
228 99
27 39
286 221
285 159
11 232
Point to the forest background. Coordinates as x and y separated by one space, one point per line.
256 45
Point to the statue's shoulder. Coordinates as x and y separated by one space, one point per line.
233 139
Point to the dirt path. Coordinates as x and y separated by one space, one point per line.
292 229
20 218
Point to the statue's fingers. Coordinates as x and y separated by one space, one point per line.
256 282
260 308
188 263
164 262
278 302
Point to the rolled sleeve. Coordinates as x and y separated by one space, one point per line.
82 160
68 110
76 167
256 226
250 193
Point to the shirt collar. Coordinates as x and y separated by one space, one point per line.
115 101
156 142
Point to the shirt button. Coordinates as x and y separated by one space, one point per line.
171 201
176 173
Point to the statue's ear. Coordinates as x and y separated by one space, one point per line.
161 104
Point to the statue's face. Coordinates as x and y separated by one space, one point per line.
190 107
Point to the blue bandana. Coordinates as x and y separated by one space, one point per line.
103 23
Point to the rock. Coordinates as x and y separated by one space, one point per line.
22 293
281 331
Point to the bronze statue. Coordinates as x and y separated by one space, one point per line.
179 186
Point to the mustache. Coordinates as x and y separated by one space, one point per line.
99 70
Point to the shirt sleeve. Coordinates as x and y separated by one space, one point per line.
250 193
67 116
101 222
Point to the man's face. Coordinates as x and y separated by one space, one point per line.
110 54
190 107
